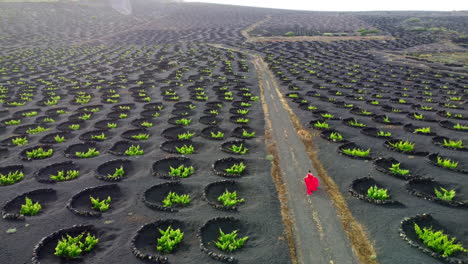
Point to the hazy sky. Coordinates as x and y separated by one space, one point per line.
349 5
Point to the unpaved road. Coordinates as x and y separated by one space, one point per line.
318 233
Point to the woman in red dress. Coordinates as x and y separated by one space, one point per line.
311 183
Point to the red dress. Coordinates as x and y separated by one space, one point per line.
311 183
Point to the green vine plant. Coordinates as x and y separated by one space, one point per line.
356 123
445 194
186 150
219 134
384 134
39 153
169 239
181 171
101 136
397 170
20 141
173 198
336 137
74 126
418 117
458 126
447 163
377 193
92 152
238 168
146 124
134 151
100 205
111 125
186 135
141 136
229 242
454 144
423 130
183 121
322 125
65 175
357 152
37 130
30 208
59 139
438 241
11 178
13 122
246 134
404 146
119 172
230 199
239 149
73 247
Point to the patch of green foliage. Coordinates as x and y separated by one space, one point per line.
397 170
30 208
357 152
383 134
141 136
458 126
181 171
438 241
423 130
242 120
183 121
323 124
134 151
230 242
239 149
59 139
447 163
403 145
92 152
39 153
111 125
11 177
146 124
169 240
246 134
100 205
74 247
236 168
173 198
230 199
356 123
13 122
445 194
65 175
335 136
453 144
186 150
74 126
101 136
219 134
377 193
36 130
186 135
20 141
119 172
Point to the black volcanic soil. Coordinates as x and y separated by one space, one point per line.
61 62
136 92
381 222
